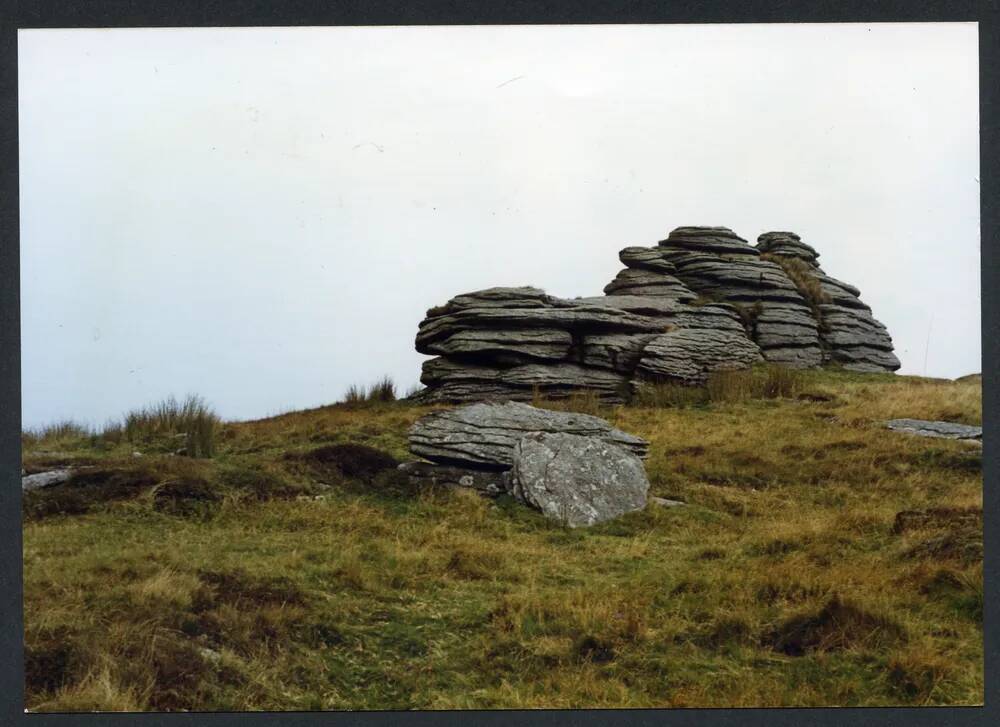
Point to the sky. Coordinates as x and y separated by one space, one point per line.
262 216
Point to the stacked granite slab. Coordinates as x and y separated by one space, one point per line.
509 343
702 300
850 336
721 266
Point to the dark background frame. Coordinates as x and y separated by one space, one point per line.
235 13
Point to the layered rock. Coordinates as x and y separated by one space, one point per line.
720 265
483 435
574 468
736 303
690 356
849 334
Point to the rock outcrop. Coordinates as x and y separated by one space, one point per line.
574 468
700 301
849 334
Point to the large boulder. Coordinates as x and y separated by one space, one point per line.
484 435
577 480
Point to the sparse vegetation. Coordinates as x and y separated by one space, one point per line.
381 392
820 560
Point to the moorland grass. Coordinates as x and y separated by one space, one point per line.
786 580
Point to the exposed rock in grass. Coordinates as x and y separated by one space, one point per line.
943 430
577 480
484 435
45 479
86 489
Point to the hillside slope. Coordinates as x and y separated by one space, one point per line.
267 578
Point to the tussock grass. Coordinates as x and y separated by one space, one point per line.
381 392
367 597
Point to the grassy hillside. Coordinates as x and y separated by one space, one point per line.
265 577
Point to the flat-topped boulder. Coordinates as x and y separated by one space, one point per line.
484 434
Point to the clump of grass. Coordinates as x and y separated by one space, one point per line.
780 382
669 395
730 385
383 390
192 419
63 431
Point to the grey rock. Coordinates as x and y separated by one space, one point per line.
649 283
505 345
664 502
547 378
945 430
712 239
45 479
577 480
688 356
619 352
788 244
646 258
487 482
483 435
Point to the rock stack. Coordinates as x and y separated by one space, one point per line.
574 468
702 300
849 334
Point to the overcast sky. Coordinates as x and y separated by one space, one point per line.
262 216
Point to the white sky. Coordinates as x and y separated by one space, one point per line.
262 216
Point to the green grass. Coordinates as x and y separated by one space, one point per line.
267 578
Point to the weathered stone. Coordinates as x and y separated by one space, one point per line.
577 480
45 479
549 379
688 356
484 434
848 333
508 343
788 244
646 258
554 314
505 345
487 482
945 430
632 281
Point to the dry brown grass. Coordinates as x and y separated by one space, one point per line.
383 599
